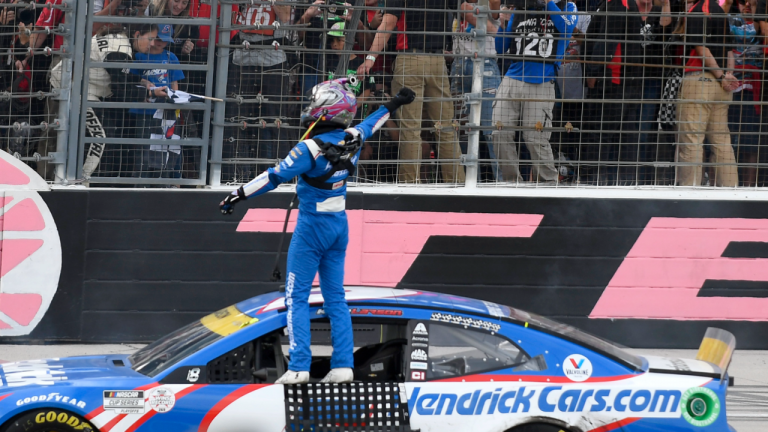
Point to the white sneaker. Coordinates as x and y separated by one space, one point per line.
339 375
292 377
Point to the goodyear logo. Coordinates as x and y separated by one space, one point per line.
547 400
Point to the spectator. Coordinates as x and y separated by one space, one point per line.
382 145
706 35
185 40
48 19
160 160
744 113
31 78
427 75
111 85
336 41
571 91
527 93
464 48
316 64
633 45
186 47
258 73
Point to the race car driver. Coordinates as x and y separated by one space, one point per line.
324 162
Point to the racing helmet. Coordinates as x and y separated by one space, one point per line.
331 102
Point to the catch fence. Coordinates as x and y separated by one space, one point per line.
511 93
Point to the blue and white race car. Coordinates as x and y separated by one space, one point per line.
424 361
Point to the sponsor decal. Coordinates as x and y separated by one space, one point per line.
419 345
419 365
161 399
298 150
700 406
293 154
465 321
62 418
418 376
391 312
419 339
420 330
337 185
289 161
377 367
679 365
32 372
124 401
577 368
51 397
193 375
419 354
550 399
363 311
493 309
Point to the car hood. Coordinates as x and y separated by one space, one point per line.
682 366
64 371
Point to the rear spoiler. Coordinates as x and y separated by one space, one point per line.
717 348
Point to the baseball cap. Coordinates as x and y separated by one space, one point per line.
337 30
165 33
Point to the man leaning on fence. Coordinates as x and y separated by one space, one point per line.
527 92
421 66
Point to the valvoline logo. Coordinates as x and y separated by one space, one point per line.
577 368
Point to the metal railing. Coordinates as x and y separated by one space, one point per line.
482 121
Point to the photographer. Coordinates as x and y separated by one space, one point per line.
706 36
527 93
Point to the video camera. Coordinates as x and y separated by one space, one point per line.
129 8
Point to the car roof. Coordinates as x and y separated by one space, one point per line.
274 302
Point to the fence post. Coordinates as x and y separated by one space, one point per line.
222 70
71 81
475 101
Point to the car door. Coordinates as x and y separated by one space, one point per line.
232 392
444 365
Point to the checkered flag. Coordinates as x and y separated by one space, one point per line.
668 110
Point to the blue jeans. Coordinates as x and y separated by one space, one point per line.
461 83
744 124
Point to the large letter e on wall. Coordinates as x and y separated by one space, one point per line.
692 269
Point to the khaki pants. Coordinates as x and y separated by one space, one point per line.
526 113
428 77
700 119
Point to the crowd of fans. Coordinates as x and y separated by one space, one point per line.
598 92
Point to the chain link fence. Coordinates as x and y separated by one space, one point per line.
510 93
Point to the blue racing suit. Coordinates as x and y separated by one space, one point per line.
319 242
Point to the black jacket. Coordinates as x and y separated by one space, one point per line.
641 42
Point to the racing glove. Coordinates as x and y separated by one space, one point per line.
353 138
403 97
228 205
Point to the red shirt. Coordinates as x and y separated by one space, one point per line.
616 68
402 40
51 18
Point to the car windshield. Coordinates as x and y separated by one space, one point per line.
174 347
580 337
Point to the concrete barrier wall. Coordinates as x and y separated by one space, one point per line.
130 266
